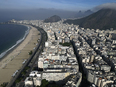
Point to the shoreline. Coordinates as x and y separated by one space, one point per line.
15 57
9 50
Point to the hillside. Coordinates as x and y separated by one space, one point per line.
54 18
102 19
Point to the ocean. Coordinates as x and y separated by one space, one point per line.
10 36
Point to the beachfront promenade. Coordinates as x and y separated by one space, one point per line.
15 59
31 61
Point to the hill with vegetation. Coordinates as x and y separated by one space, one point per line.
102 19
54 18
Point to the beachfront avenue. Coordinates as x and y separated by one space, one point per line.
30 62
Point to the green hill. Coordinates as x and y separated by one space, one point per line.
54 18
102 19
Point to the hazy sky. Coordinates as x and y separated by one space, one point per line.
56 4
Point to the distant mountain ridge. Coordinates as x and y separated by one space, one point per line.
54 18
102 19
37 14
83 13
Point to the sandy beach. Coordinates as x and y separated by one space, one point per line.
13 61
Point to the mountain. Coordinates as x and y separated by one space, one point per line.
81 14
34 14
102 19
54 18
88 12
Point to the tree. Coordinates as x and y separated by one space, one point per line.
44 83
23 73
18 80
65 44
30 53
4 84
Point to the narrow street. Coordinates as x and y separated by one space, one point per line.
84 82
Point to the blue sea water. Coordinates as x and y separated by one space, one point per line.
10 36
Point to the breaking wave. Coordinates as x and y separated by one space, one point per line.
18 42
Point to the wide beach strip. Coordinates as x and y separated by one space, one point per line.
13 61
